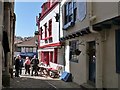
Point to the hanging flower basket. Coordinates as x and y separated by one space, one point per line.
77 51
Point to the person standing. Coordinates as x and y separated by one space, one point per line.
27 65
35 63
21 65
17 66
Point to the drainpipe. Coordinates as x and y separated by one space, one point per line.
91 17
99 47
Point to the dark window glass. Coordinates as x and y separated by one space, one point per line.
46 41
50 40
18 49
73 46
70 12
45 30
50 27
41 30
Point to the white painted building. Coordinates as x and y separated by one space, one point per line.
49 46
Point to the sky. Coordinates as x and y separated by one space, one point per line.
26 13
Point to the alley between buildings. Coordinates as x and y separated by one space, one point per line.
38 82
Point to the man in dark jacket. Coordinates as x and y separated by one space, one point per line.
21 64
34 63
17 66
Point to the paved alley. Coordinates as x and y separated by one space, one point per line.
39 82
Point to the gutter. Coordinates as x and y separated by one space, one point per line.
91 17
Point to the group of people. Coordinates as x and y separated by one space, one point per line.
19 64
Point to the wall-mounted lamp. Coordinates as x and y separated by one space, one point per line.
57 17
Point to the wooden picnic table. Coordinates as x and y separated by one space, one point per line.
44 70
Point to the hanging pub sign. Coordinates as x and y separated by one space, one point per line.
81 9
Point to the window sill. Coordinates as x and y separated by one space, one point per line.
69 24
47 38
76 61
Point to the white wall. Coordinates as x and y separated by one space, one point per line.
55 26
67 63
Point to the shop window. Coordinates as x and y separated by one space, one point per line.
73 47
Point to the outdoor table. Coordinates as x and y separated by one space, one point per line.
44 70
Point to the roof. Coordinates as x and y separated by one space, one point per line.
28 43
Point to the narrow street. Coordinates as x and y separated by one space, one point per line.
38 82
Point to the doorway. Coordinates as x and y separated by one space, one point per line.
92 62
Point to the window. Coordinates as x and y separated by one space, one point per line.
75 10
55 55
18 49
70 12
50 31
41 30
45 30
30 49
46 41
50 40
26 49
50 27
51 56
73 46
